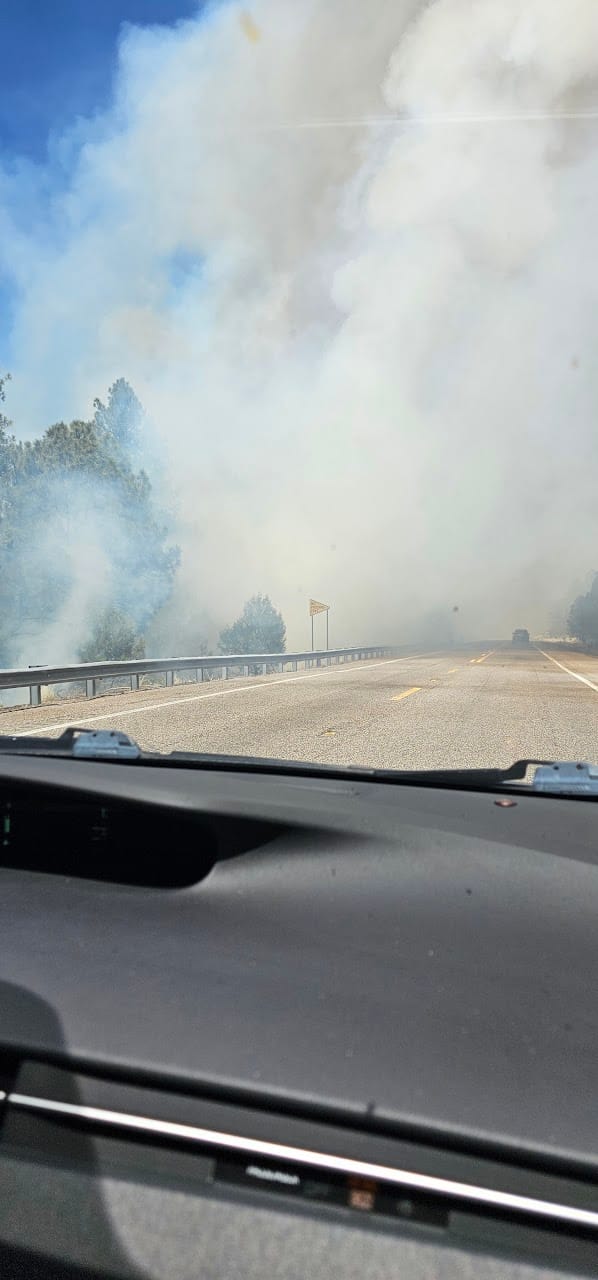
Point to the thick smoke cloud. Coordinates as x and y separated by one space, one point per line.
344 252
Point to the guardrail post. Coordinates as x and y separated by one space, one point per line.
169 679
90 688
135 681
35 695
294 665
246 669
224 673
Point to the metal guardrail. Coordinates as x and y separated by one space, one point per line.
246 664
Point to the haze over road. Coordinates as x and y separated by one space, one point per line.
460 707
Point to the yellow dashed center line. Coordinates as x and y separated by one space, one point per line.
406 693
452 671
486 655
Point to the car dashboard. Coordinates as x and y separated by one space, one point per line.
260 1024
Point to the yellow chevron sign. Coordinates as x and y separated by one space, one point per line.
315 606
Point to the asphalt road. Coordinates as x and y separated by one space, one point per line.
470 707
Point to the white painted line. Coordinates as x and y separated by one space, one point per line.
220 693
575 674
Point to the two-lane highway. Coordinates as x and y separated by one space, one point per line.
466 708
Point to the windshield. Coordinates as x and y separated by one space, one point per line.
298 384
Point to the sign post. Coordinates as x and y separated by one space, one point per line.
316 606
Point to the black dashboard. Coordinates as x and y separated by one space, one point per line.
293 1026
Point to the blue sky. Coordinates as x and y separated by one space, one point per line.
57 62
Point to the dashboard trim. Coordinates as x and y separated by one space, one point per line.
429 1183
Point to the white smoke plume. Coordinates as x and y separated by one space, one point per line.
344 253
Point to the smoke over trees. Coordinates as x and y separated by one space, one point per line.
113 638
259 629
86 560
121 417
4 421
398 302
85 557
583 616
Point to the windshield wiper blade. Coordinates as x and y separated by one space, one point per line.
111 744
480 779
554 777
490 778
551 777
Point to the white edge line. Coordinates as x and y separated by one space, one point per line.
220 693
297 1155
575 674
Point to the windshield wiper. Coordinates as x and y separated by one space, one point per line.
551 777
478 778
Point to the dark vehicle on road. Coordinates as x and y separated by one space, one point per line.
520 637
